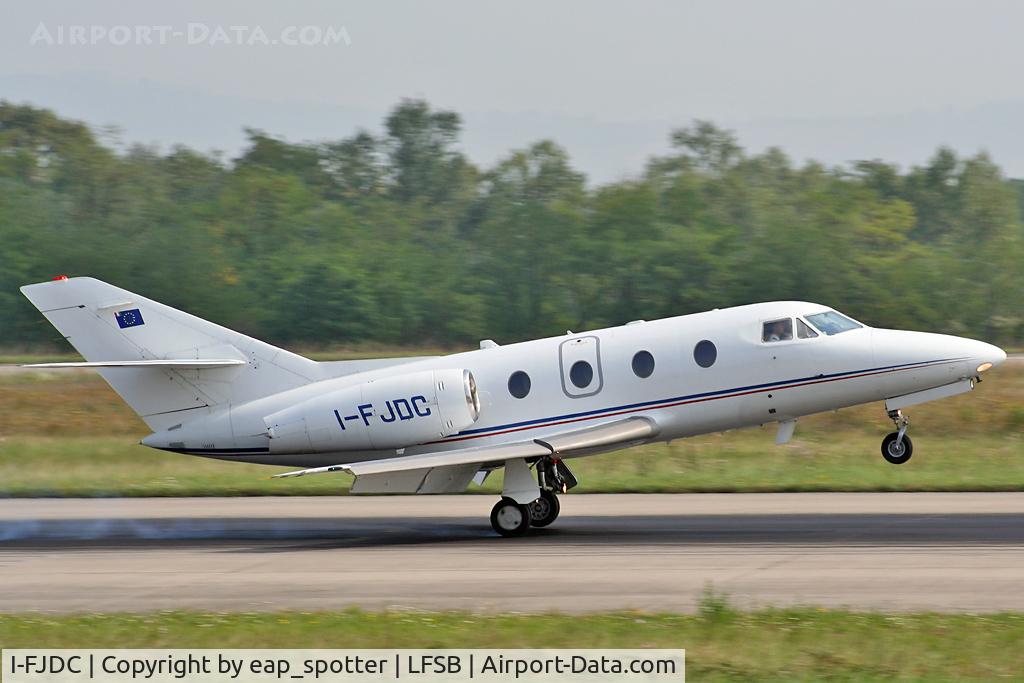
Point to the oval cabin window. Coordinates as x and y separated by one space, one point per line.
643 364
581 373
519 384
705 353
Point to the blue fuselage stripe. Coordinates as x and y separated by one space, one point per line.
690 397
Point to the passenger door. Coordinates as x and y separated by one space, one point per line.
579 359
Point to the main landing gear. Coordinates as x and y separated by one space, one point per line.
897 447
511 518
545 509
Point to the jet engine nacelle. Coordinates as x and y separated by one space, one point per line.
392 412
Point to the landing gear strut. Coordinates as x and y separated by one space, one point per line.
553 477
897 447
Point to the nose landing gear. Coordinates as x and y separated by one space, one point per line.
897 446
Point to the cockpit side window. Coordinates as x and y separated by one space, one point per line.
831 322
777 330
804 331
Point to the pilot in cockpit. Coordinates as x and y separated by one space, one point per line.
778 330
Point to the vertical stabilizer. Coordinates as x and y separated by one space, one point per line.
107 323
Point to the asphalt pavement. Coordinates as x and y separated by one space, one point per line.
886 551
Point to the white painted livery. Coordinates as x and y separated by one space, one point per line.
435 424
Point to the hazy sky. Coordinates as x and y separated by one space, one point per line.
825 79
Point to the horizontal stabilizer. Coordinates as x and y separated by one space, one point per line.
181 364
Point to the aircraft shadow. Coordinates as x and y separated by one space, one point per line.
267 535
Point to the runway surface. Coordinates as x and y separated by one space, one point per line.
891 551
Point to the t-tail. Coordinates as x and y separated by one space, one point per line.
166 364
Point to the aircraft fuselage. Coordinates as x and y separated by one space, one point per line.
748 381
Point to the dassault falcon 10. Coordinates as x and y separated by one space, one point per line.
437 424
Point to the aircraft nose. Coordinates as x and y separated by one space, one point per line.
893 347
995 355
985 356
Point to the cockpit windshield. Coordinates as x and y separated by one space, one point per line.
831 322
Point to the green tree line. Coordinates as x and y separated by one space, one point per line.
399 238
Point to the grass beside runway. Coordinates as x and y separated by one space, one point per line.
740 462
722 644
68 434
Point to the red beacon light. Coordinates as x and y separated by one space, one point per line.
60 277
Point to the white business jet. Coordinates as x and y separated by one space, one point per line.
436 424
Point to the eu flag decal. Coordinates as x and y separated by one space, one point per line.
129 318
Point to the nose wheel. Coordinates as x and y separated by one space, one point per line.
897 447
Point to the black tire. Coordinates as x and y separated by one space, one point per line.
509 518
894 455
545 509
